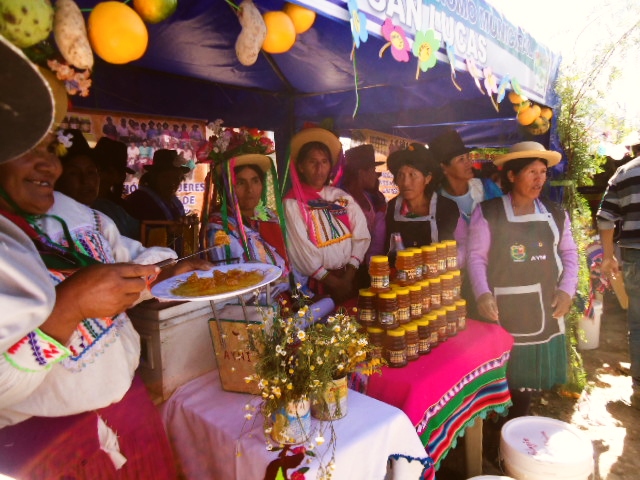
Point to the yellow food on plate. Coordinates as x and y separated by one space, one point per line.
219 283
221 238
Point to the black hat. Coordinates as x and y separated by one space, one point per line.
79 145
415 155
447 146
164 159
362 157
27 105
110 153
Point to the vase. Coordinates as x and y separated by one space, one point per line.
332 403
291 424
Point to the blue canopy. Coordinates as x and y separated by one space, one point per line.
190 70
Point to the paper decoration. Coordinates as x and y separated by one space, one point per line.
505 83
475 73
396 39
451 55
515 86
425 47
358 24
490 85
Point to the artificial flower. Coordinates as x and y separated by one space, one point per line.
396 39
425 46
358 22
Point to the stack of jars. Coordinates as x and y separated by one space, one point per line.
412 311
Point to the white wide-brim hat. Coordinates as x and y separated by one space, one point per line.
26 103
316 134
529 150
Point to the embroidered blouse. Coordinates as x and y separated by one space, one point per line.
337 244
40 376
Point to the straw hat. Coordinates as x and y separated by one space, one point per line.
316 134
529 150
262 161
26 103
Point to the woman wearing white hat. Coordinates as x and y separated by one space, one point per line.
523 266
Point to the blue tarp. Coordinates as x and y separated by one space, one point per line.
190 70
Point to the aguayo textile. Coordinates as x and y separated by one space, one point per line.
446 390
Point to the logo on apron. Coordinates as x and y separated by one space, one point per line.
518 253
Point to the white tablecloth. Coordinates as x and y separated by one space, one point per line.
212 440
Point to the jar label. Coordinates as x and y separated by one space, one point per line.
456 293
404 314
416 309
381 281
452 327
452 263
412 350
419 271
442 265
397 357
402 275
434 337
462 322
367 315
424 345
387 318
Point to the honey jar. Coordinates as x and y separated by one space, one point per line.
396 347
379 272
429 261
388 310
366 308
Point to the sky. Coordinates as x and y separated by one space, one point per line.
574 27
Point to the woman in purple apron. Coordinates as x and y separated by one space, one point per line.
523 265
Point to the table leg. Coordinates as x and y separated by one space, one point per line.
473 448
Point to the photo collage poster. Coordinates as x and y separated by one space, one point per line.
143 135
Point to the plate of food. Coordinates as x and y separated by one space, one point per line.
223 281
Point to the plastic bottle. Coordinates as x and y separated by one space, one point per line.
388 310
396 347
405 268
412 339
429 261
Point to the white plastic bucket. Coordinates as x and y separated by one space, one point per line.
589 329
541 448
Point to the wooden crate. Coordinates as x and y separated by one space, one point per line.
175 341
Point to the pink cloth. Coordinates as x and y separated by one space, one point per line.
68 447
446 390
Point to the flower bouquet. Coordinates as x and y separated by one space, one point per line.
227 142
297 362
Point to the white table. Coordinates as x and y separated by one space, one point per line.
212 440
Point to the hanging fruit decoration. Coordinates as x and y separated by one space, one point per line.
25 22
117 33
301 17
70 33
155 11
535 119
281 33
252 36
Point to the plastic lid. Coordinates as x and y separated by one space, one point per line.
440 245
363 292
422 321
374 330
414 288
450 308
456 273
460 303
423 283
428 248
446 276
449 242
405 253
379 259
435 280
402 291
396 332
410 327
440 311
388 296
415 250
430 316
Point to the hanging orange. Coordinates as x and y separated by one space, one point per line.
528 115
117 33
546 112
301 17
515 98
281 34
155 11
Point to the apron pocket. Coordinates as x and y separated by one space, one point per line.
521 310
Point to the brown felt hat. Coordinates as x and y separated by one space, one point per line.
362 157
111 153
165 159
447 146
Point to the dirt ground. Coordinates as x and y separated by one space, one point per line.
603 411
